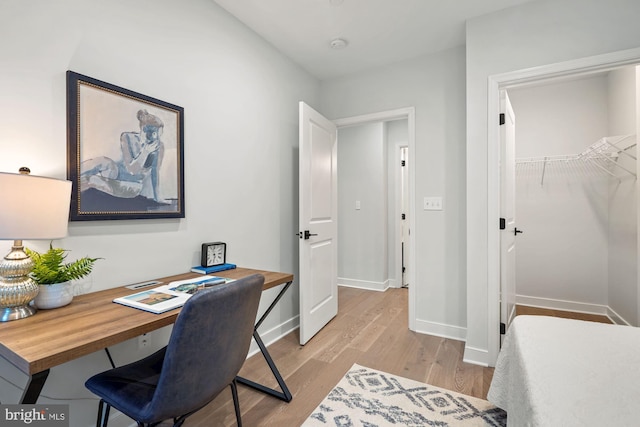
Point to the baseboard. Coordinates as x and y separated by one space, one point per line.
363 284
118 419
476 356
275 333
556 304
457 333
616 318
576 307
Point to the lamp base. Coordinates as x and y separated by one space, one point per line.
15 313
17 289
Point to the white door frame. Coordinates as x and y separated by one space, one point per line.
496 82
403 192
383 116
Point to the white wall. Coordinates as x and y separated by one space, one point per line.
562 255
534 34
434 85
241 133
623 229
362 231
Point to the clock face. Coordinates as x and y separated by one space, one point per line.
213 254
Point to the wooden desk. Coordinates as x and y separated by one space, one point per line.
92 322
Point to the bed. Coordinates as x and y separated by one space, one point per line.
562 372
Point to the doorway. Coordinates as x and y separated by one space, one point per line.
495 84
355 204
576 194
371 244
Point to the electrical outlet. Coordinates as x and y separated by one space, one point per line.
144 340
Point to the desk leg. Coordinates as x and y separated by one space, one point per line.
34 387
285 394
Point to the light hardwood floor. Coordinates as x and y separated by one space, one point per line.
522 309
371 330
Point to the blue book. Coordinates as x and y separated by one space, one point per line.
207 270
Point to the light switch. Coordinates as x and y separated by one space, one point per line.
432 203
357 205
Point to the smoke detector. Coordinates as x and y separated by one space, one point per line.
338 43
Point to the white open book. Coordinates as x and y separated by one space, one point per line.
167 297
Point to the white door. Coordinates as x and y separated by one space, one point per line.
507 211
404 197
318 222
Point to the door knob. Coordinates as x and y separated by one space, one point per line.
306 234
516 231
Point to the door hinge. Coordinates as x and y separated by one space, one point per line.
502 119
503 224
503 328
403 163
404 216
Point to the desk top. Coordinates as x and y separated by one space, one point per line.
93 322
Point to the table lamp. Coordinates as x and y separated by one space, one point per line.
33 207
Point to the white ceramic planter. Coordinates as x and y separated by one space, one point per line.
54 296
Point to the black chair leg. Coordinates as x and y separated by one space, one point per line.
103 414
236 403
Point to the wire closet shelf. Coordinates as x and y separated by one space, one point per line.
601 157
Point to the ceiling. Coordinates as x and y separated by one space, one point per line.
378 32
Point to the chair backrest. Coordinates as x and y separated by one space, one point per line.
208 345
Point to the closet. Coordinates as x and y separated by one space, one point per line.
576 194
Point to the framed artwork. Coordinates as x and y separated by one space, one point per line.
125 153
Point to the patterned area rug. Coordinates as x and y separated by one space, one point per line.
365 397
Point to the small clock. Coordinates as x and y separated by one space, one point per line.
214 253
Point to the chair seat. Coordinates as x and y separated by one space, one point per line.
130 388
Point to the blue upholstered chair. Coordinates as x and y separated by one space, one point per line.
208 345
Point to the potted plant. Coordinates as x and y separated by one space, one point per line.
53 275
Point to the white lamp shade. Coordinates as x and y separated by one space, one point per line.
33 207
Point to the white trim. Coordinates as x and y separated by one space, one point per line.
411 117
397 214
363 284
382 116
275 333
557 304
572 306
616 318
118 419
476 356
457 333
493 213
408 113
495 83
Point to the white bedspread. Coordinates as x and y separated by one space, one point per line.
560 372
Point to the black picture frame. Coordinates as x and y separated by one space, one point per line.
125 153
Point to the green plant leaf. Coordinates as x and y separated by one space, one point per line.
50 268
